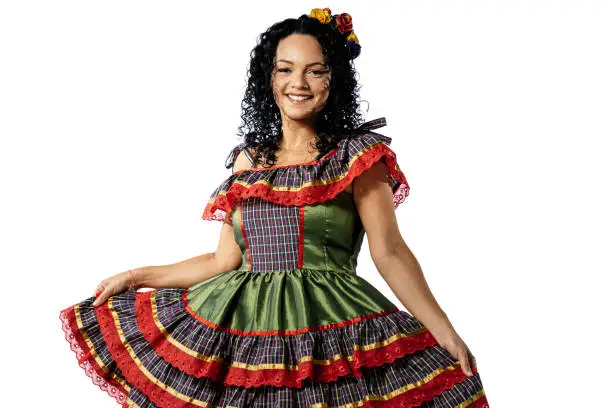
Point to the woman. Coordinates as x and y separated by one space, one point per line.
277 316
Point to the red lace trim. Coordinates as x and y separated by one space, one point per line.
224 202
86 360
159 396
219 370
417 396
130 369
480 402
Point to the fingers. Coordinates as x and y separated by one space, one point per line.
472 359
98 300
101 297
99 288
465 363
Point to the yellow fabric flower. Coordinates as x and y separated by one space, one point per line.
320 14
352 37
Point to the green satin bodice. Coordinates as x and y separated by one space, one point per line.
330 235
317 244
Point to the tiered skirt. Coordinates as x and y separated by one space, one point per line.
337 343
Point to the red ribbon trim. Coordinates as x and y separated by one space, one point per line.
224 202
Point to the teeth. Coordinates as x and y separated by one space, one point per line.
299 98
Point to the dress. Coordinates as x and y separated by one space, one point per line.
293 326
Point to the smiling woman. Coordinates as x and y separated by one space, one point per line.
277 315
301 82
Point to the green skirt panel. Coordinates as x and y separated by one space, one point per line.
284 300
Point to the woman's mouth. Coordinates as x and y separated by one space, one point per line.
298 99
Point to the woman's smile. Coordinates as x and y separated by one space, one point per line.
298 100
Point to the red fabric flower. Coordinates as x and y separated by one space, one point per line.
344 22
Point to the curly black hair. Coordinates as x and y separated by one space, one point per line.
261 127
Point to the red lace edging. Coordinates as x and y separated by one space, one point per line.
86 360
415 397
224 202
159 396
219 370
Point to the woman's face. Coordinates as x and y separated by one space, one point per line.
300 69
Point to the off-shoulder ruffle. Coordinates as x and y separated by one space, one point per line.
312 182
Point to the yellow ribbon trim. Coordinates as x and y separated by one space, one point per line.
272 366
92 350
314 183
184 397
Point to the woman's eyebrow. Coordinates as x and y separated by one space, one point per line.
308 65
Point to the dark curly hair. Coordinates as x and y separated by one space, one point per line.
261 127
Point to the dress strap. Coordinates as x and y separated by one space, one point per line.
247 153
364 128
231 158
372 124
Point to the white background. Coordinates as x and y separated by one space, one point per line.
116 118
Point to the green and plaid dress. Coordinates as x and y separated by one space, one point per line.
293 326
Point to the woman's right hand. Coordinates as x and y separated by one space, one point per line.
111 286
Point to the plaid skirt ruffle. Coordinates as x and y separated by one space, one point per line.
147 349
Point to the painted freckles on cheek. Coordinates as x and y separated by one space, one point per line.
326 84
274 92
319 86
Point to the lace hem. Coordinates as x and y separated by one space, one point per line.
87 361
219 370
415 397
444 379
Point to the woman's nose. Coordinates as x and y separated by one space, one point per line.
298 81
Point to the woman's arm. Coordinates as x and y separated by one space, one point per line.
397 264
182 274
392 257
191 271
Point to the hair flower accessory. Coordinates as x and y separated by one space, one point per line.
342 23
352 37
323 15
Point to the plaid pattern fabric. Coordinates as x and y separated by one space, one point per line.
121 347
309 183
273 234
321 345
152 374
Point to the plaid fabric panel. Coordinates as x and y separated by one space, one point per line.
327 170
408 371
91 331
272 234
138 399
322 345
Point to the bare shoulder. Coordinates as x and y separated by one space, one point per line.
373 177
242 162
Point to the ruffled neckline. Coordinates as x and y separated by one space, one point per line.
308 163
310 182
364 127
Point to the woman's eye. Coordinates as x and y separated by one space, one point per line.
314 72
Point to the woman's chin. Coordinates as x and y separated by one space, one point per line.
298 113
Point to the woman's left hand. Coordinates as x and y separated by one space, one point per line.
459 350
